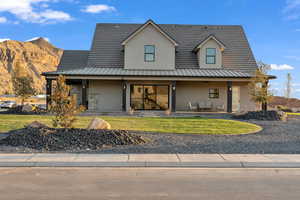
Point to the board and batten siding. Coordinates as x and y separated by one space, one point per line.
105 96
196 92
202 55
164 51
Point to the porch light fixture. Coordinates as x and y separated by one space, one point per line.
173 87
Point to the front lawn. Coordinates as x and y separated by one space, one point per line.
186 125
297 114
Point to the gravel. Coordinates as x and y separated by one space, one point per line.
276 137
51 139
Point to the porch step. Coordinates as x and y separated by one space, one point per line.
149 114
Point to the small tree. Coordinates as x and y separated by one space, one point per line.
63 106
259 89
23 85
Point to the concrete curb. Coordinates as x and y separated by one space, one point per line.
152 160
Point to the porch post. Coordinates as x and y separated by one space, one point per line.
84 94
173 99
124 87
264 106
48 92
229 96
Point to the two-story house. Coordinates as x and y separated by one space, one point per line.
161 66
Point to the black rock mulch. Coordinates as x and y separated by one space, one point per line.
50 139
262 115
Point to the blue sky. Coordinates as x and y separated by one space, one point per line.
272 26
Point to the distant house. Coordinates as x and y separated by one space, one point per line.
161 66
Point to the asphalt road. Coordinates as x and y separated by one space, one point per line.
148 183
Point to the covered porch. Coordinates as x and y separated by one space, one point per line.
160 94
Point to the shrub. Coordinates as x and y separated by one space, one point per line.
63 105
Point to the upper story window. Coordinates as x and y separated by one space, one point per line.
149 53
211 54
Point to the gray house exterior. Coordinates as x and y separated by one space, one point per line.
161 67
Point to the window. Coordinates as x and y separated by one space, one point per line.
149 53
211 54
213 93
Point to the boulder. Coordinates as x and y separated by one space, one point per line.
98 123
27 108
36 124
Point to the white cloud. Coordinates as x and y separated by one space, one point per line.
99 8
4 39
32 11
35 38
298 30
3 20
292 9
281 67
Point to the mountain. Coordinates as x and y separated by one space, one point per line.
34 57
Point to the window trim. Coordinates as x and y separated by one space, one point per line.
145 53
212 94
211 56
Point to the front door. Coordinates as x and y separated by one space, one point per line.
236 99
149 97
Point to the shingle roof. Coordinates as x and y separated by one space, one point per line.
73 59
108 71
107 51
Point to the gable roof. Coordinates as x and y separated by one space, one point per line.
210 37
106 50
142 27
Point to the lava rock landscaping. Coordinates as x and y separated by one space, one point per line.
53 139
262 115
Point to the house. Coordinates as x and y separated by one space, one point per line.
159 67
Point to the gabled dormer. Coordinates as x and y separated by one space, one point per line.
149 47
209 52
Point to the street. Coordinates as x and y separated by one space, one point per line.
149 183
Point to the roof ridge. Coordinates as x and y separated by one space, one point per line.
209 25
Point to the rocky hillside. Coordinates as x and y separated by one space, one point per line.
34 57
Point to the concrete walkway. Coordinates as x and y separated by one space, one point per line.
152 160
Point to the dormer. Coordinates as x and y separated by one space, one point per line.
209 52
149 47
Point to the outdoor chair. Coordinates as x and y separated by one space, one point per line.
191 107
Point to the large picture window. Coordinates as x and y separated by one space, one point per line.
149 53
149 97
213 93
211 54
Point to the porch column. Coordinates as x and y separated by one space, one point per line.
173 98
264 106
124 87
84 94
48 92
229 96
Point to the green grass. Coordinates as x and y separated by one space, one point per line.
187 125
298 114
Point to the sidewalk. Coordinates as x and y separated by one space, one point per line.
152 160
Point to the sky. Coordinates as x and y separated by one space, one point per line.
272 26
